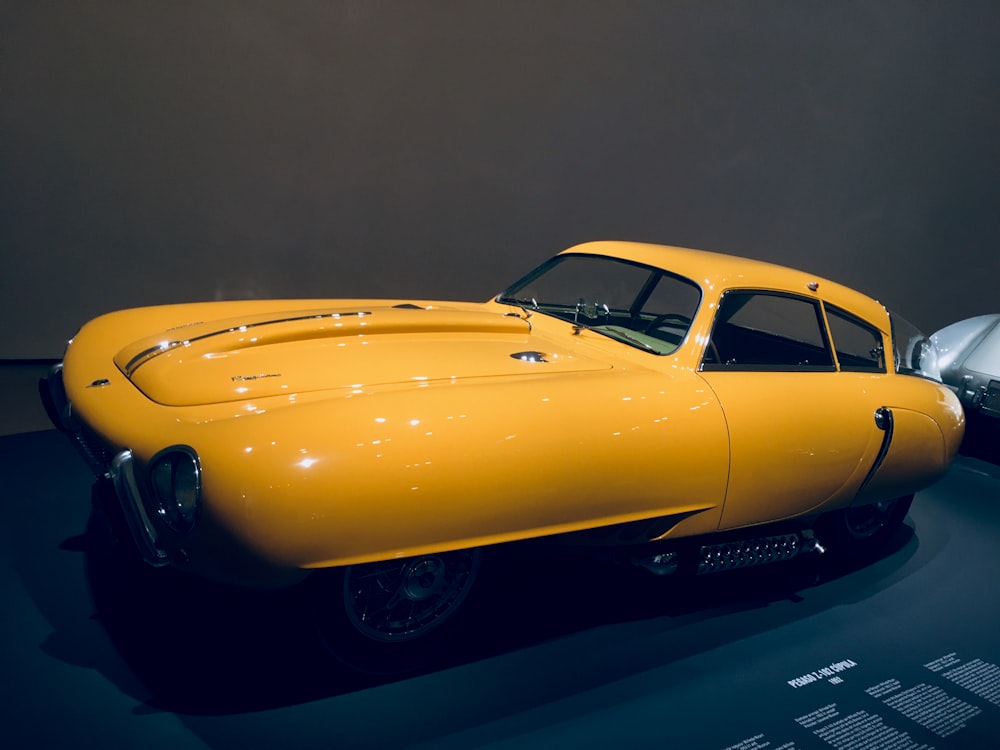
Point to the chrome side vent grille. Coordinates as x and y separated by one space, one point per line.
744 553
97 456
60 412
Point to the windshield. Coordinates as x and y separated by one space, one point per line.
638 305
913 352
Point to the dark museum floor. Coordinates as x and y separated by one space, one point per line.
903 653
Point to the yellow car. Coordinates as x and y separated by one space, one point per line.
655 400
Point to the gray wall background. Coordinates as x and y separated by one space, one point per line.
170 151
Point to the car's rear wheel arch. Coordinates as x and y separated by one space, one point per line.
861 531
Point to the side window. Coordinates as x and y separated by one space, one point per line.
768 331
858 345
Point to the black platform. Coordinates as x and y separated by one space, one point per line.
903 653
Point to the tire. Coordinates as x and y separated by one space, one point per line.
395 616
861 532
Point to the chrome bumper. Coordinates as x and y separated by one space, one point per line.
144 532
119 468
60 413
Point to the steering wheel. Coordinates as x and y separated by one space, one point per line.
659 320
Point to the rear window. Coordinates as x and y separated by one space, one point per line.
913 352
858 344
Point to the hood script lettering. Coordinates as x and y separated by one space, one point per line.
239 378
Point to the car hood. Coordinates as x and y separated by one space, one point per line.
299 351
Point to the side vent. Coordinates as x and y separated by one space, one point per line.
714 558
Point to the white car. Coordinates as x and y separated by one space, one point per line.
969 359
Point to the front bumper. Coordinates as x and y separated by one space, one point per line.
979 392
989 401
105 464
218 557
148 539
60 412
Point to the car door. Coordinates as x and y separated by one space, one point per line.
802 432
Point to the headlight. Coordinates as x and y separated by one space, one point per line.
175 477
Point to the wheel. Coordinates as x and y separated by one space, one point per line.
393 616
862 531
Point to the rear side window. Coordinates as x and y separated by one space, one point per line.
858 344
768 331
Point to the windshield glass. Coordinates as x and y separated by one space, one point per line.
637 305
913 352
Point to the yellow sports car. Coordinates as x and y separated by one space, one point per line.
681 407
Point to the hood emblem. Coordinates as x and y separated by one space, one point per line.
261 376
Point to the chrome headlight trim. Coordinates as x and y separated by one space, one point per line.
175 483
53 394
147 540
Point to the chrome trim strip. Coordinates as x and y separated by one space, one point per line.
153 351
165 508
52 390
53 394
140 525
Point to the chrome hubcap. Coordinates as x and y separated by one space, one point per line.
399 600
423 579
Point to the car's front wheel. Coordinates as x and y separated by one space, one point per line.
862 531
393 616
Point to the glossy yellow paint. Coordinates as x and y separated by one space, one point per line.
799 440
334 432
363 471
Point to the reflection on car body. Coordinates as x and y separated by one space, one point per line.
654 400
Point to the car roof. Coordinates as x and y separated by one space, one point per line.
722 271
